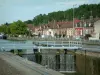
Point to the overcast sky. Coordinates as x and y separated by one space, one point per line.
13 10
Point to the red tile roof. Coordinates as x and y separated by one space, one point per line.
55 25
62 24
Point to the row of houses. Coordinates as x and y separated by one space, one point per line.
69 29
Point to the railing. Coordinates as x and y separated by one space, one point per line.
58 43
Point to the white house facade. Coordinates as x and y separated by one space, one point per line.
97 29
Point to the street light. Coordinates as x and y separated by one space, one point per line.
73 19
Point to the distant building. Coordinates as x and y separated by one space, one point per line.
84 27
31 29
97 29
66 28
59 29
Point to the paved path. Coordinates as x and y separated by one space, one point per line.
22 66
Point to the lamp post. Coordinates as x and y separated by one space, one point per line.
73 20
83 32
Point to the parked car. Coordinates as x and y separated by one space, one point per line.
3 36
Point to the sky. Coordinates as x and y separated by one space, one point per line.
13 10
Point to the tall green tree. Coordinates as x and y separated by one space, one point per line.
5 29
18 28
68 14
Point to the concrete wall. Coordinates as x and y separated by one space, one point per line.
87 65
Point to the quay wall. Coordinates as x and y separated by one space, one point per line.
87 63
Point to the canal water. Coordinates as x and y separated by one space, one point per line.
9 44
84 65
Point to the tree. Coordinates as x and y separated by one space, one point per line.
15 28
28 22
68 14
4 29
18 28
